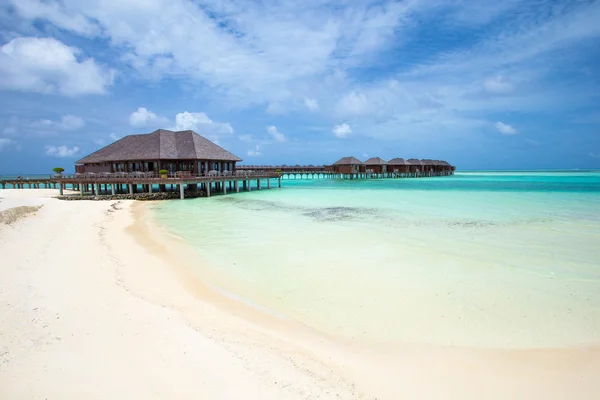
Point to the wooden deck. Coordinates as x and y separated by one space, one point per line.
114 184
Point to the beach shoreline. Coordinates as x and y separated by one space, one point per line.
95 293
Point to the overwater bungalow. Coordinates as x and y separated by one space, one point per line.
399 165
181 151
376 165
348 165
414 165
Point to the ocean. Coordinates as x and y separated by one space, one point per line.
480 259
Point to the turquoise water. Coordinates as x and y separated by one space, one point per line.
494 259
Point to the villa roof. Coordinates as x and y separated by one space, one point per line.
398 161
348 161
161 144
375 161
414 161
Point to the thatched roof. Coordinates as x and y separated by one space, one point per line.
375 161
414 161
429 162
348 161
161 145
398 161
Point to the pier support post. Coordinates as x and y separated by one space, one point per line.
224 187
97 189
181 194
60 189
149 188
81 190
279 181
208 185
130 188
249 186
112 189
237 186
258 183
268 183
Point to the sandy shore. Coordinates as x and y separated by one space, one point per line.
95 302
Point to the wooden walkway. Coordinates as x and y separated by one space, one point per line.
113 184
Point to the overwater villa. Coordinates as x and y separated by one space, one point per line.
376 165
348 165
185 152
396 167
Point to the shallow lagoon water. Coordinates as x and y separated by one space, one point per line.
508 260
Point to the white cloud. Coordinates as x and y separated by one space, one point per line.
342 130
61 151
505 129
46 65
203 125
66 123
104 140
246 138
71 122
281 56
5 142
255 153
275 134
311 104
353 103
144 117
56 13
498 85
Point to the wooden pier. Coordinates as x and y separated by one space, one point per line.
111 184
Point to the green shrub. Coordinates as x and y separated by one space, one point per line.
58 170
163 172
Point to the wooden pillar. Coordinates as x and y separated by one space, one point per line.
112 189
268 183
237 186
279 181
149 188
207 185
130 188
60 189
181 194
249 186
81 190
224 187
97 189
258 183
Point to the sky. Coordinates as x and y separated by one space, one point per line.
486 84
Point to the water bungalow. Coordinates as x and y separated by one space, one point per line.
348 165
398 165
184 151
376 165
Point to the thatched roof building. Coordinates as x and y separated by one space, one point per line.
161 149
348 161
348 165
376 161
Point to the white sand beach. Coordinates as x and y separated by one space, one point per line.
96 303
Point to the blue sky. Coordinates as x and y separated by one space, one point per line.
483 84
